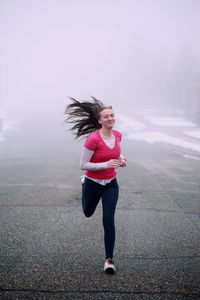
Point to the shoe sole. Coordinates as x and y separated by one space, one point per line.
109 271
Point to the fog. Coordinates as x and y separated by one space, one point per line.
134 55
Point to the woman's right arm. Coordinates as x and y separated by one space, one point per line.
86 164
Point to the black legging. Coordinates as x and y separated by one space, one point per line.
91 194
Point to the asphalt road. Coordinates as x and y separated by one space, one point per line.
49 250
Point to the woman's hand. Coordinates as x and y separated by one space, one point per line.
123 163
114 163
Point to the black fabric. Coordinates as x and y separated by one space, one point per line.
92 192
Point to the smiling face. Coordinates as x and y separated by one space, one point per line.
107 118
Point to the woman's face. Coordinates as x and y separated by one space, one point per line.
107 118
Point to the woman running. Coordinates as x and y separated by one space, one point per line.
101 156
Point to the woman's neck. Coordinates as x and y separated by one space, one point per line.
106 133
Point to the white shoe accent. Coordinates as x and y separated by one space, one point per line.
109 267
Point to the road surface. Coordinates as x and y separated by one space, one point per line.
49 250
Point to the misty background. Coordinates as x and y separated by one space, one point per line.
134 55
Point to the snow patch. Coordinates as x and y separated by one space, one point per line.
137 130
127 124
195 134
170 122
154 137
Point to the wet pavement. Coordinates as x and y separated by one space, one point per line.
49 250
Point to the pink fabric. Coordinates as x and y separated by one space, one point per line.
102 153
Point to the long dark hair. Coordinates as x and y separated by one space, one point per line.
84 115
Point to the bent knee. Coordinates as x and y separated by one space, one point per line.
88 213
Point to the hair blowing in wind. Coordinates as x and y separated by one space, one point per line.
84 115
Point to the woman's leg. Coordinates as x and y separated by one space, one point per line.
91 194
109 201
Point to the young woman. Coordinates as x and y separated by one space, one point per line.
101 156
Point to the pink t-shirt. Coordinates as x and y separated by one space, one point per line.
102 153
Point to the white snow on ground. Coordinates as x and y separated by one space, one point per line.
191 156
195 134
138 131
170 122
127 124
153 137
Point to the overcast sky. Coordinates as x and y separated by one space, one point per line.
117 50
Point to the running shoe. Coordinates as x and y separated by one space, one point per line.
109 266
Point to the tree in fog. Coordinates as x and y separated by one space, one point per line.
186 70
